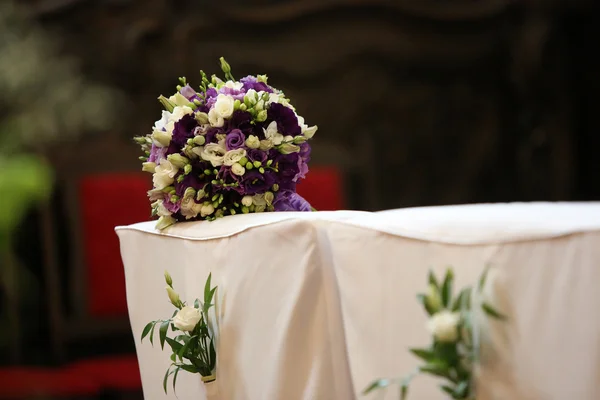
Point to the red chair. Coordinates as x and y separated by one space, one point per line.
322 188
26 383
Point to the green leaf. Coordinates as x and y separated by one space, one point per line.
208 304
175 379
489 310
464 297
152 333
448 389
166 378
175 346
433 280
447 288
379 384
188 368
212 355
461 390
173 357
424 354
483 278
207 288
147 329
436 369
162 332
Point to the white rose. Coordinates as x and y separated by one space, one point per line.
214 152
189 208
253 142
214 119
224 106
233 156
272 134
164 174
247 201
179 112
187 318
237 169
206 209
444 326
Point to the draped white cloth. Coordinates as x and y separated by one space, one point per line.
317 305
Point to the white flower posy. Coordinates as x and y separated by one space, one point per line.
187 318
444 326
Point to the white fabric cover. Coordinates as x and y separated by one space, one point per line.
317 305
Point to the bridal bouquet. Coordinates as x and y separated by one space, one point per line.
453 349
229 147
193 346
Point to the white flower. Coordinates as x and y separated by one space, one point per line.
251 96
155 194
215 119
161 124
161 138
307 131
206 209
198 150
238 169
214 153
288 148
164 174
224 106
179 112
234 85
266 144
161 210
269 197
233 156
272 134
189 208
164 222
253 142
148 167
444 326
274 98
179 100
187 318
247 201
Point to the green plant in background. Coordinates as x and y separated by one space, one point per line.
43 98
453 352
193 348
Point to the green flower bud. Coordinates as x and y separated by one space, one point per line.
225 67
166 103
269 163
300 139
200 195
288 148
168 189
199 140
275 188
262 78
243 107
207 172
202 118
257 164
232 212
173 297
245 210
243 161
174 198
269 197
168 279
187 169
237 104
434 299
179 87
180 178
178 160
261 170
189 193
148 167
249 165
164 222
140 139
261 116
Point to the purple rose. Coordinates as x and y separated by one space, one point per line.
250 82
235 139
183 130
256 155
287 122
286 200
254 182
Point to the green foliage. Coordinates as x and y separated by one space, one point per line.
450 360
192 351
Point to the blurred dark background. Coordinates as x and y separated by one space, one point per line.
427 102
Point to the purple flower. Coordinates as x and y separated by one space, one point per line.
241 120
229 178
183 130
286 200
189 93
256 155
287 122
211 98
157 154
211 134
305 152
250 82
190 180
235 139
236 94
288 166
254 182
171 207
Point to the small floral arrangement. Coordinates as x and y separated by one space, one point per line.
231 147
453 351
193 346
